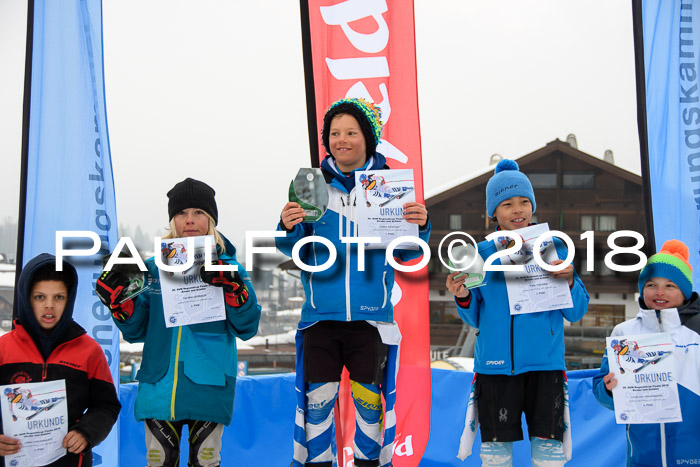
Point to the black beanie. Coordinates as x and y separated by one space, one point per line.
191 193
368 116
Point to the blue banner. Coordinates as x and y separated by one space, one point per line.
671 38
69 170
263 422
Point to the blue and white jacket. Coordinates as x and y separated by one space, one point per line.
509 345
341 292
662 444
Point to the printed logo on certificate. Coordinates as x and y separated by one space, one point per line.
646 390
381 195
186 298
533 289
37 415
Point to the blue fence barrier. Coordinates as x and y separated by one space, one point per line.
263 420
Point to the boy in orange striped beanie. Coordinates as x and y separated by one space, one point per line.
667 305
671 264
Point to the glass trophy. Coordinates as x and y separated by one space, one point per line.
470 263
136 277
309 190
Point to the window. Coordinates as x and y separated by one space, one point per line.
587 223
607 223
601 223
599 268
578 180
455 222
543 179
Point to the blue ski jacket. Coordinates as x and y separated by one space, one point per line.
512 344
664 444
188 372
342 292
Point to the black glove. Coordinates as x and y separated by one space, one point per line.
235 291
109 287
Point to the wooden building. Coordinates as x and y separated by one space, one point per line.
575 193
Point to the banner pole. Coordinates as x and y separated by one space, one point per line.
19 256
640 76
309 84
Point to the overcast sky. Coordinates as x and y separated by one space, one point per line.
215 90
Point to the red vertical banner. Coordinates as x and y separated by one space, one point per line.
366 48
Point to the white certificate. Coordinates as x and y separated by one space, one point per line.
186 298
381 195
646 390
533 289
37 415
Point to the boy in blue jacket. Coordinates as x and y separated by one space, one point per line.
668 304
519 359
347 319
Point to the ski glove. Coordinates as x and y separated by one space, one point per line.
109 287
235 291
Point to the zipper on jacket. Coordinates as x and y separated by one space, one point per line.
512 352
311 274
348 313
662 428
177 365
43 371
385 291
629 442
311 290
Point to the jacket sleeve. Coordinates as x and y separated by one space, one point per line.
286 244
579 294
602 395
134 327
244 320
407 255
470 314
103 407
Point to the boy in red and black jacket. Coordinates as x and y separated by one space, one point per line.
47 345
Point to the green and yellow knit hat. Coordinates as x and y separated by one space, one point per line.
670 263
367 114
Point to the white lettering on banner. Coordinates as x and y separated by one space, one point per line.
358 68
405 448
351 10
348 457
392 152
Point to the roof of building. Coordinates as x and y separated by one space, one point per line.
482 175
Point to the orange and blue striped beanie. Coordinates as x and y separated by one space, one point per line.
670 263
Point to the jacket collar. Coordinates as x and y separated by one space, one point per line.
651 319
